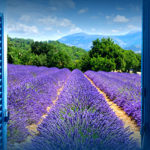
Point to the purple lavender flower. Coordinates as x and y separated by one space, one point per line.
81 120
123 88
30 91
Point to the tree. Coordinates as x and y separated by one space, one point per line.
58 59
40 48
96 49
137 66
131 61
104 55
85 62
106 48
103 64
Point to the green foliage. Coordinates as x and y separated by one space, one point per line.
85 62
133 61
104 55
103 64
138 68
38 60
108 56
103 48
19 43
74 52
50 54
58 59
40 48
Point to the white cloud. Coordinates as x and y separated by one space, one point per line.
134 28
84 10
48 28
108 17
48 20
93 29
18 27
65 22
58 31
121 19
115 31
25 18
75 29
60 22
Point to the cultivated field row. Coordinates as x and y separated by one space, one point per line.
60 109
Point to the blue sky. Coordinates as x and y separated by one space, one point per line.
53 19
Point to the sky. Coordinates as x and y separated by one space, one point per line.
53 19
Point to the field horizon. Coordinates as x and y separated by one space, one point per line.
45 98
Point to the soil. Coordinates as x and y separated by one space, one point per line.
120 113
33 127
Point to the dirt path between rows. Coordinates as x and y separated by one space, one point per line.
128 121
33 127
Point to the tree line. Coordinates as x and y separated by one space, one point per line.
104 55
107 56
49 54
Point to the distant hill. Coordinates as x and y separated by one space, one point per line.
130 41
17 46
74 52
20 43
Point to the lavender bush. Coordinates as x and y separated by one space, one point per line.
81 120
29 98
123 88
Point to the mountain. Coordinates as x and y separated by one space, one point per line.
129 41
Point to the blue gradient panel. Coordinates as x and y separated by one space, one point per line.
145 132
1 102
3 108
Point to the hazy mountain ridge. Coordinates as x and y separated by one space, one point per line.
129 41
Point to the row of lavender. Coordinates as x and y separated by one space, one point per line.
123 88
81 120
30 91
18 73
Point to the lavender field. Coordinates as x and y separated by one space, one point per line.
76 116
